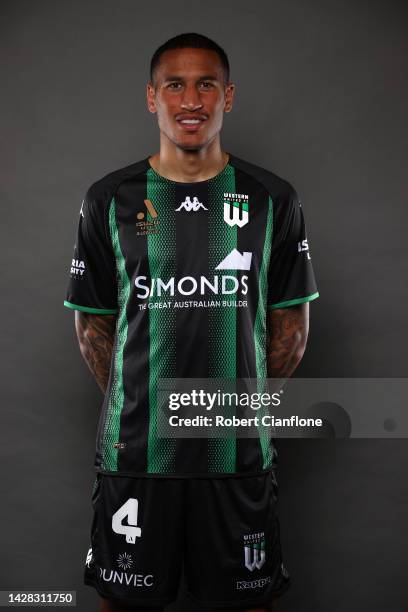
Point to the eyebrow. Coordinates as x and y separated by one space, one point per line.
201 78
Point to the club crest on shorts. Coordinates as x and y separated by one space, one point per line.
236 209
254 551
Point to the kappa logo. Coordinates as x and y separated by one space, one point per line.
236 209
191 206
89 558
253 584
236 261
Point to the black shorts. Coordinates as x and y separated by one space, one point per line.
224 532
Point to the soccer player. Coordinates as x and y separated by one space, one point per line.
191 263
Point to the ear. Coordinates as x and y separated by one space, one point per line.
151 97
229 97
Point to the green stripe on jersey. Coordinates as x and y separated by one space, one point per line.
116 395
222 322
302 300
260 332
90 308
161 247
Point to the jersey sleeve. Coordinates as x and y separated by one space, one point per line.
291 278
92 283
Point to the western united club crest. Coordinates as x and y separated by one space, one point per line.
236 209
254 551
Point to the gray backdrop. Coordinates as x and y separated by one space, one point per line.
322 101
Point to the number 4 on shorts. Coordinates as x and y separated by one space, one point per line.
131 531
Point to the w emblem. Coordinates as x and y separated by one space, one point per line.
254 557
236 209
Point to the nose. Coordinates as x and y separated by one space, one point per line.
191 99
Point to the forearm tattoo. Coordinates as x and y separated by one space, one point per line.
96 336
287 335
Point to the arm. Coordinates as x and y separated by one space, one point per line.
95 336
287 330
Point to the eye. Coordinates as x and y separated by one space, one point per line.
206 84
174 86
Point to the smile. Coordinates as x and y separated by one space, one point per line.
191 124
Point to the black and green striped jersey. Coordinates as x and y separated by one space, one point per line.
190 270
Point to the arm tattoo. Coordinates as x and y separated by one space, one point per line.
96 335
287 335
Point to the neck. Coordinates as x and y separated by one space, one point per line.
188 166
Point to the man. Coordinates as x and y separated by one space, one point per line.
189 264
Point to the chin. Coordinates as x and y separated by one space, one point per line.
185 147
191 146
189 143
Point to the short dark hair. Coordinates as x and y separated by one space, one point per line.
194 41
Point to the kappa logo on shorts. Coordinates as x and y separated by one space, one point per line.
89 558
254 551
253 584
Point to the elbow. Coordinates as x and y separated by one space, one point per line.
82 332
300 341
83 347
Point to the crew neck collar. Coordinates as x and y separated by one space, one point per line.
222 172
